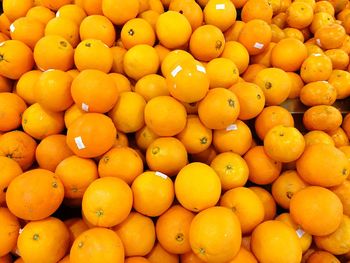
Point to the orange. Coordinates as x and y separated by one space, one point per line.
64 27
346 124
97 244
219 102
19 30
285 186
267 200
257 9
277 34
6 85
339 137
26 202
120 11
262 169
162 52
71 114
316 67
85 90
315 137
273 241
73 11
220 13
51 151
16 59
16 9
138 234
134 59
246 205
121 81
255 36
237 138
318 93
172 59
18 146
150 86
339 58
188 81
93 54
108 191
53 90
291 32
320 20
26 84
9 231
190 9
207 42
98 27
151 17
233 32
137 31
325 210
48 238
330 36
173 228
339 79
342 192
76 181
284 144
173 29
251 72
53 52
324 6
40 123
159 255
136 260
251 99
323 165
91 135
322 256
121 162
92 7
299 15
264 58
5 24
236 52
118 57
215 234
166 155
244 256
128 113
160 110
41 13
10 170
54 5
275 83
153 193
12 107
144 137
197 187
222 73
297 85
190 257
322 117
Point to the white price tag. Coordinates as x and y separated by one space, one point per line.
164 176
220 7
258 45
232 127
85 107
79 143
300 232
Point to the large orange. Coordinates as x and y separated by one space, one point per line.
9 231
120 11
137 31
316 67
322 117
160 255
19 30
189 8
65 27
236 52
318 93
16 9
220 13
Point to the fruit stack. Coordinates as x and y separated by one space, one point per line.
154 131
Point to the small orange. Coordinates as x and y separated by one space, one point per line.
72 11
316 67
299 15
6 85
151 17
318 93
55 4
118 57
10 170
138 234
92 7
257 9
321 19
267 200
222 73
220 13
173 58
342 192
315 137
339 58
40 13
197 187
9 231
251 72
19 30
264 58
16 9
159 255
324 6
53 52
75 181
325 210
53 90
297 85
121 81
153 193
244 256
120 11
233 32
262 169
339 79
150 86
339 137
277 34
190 9
71 114
12 108
330 36
190 257
162 52
137 31
215 234
322 117
322 257
76 226
5 24
64 27
173 29
291 32
26 84
236 52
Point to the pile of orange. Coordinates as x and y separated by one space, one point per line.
159 124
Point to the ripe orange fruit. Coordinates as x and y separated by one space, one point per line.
251 99
339 58
76 226
277 33
6 85
190 9
48 238
173 229
299 15
120 11
237 138
64 27
118 57
12 107
297 85
207 42
233 32
92 7
262 169
318 93
339 137
190 257
153 193
9 231
138 234
173 29
41 13
109 191
91 135
72 11
323 165
71 114
244 255
26 84
325 210
322 117
197 187
159 255
322 256
321 19
324 6
26 202
342 192
172 59
215 234
19 30
136 260
275 83
16 9
170 109
330 36
222 73
144 137
246 205
134 59
96 244
316 67
236 52
339 79
220 13
10 170
273 241
284 144
53 52
315 137
267 200
257 9
122 82
219 102
263 58
54 5
137 31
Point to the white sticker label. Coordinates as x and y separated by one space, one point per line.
58 13
79 143
176 70
220 7
20 230
316 54
318 42
164 176
300 232
85 107
12 28
50 69
258 45
232 127
201 69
